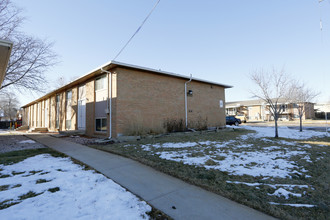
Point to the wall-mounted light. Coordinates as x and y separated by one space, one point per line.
190 92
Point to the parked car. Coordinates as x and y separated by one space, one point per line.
242 117
231 120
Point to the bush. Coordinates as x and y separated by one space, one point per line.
174 125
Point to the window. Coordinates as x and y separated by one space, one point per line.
100 83
68 110
101 124
284 108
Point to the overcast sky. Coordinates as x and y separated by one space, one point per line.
220 41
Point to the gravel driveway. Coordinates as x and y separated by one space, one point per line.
16 141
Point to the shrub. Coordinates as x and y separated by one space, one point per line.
174 125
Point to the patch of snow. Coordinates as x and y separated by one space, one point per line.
27 142
248 184
282 192
271 164
183 157
307 158
319 158
272 148
147 147
244 146
306 146
281 142
289 186
179 145
294 205
82 195
274 186
209 142
225 144
283 131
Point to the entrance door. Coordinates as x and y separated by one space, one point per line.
82 108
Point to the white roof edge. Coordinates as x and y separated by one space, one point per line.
6 43
166 73
9 45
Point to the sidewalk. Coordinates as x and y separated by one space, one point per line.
174 197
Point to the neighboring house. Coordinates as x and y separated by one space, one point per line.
5 50
322 110
258 110
122 99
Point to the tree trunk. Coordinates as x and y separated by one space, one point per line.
300 119
276 130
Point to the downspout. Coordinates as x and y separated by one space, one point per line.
185 99
109 99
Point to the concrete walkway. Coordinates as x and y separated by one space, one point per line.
174 197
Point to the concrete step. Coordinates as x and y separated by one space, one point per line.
40 130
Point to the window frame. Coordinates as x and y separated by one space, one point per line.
104 84
106 125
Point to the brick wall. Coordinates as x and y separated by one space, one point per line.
145 100
74 110
142 102
90 95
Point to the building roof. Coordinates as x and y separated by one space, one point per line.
322 107
244 103
254 102
5 50
112 64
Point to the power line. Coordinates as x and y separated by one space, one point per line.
321 25
137 30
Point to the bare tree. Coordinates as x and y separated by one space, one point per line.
301 96
30 56
9 105
272 87
10 19
61 81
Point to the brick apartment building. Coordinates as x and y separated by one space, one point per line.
122 99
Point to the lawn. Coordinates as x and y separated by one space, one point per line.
44 184
286 177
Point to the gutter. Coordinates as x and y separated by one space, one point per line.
185 99
4 58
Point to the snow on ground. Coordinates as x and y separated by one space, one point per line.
27 142
282 142
287 186
253 163
254 154
4 131
283 132
82 194
239 158
294 205
282 192
169 145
